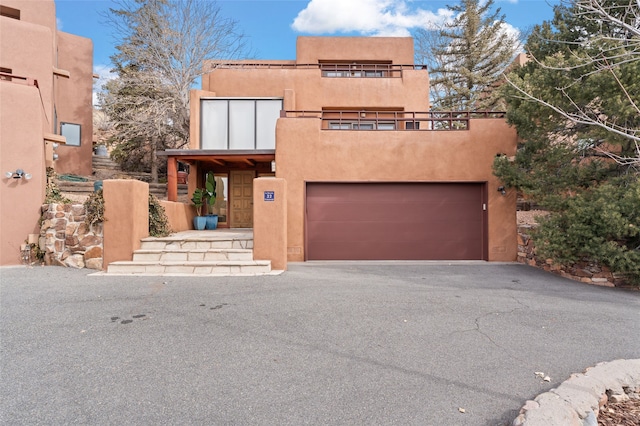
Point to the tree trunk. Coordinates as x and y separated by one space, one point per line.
154 160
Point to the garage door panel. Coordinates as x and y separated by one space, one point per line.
369 221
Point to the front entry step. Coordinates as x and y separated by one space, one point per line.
213 268
197 253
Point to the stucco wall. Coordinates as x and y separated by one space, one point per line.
20 199
270 222
304 153
179 215
40 12
73 101
313 92
399 50
26 49
126 212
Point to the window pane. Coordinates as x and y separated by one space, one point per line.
268 112
363 126
241 124
386 126
214 124
71 132
222 195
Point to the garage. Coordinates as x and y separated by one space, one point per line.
395 221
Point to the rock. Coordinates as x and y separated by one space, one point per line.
90 240
75 261
93 252
94 263
619 398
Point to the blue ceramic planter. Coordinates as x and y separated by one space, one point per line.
212 221
199 222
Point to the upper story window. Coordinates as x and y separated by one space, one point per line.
239 123
71 131
10 12
356 69
361 125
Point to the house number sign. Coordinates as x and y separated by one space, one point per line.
269 196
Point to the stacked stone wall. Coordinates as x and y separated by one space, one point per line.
584 271
66 240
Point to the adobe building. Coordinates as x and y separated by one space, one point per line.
370 171
46 82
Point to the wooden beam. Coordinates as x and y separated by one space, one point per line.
218 162
249 162
172 179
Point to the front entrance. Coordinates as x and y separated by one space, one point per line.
241 184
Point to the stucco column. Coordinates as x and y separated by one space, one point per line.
270 221
172 179
126 212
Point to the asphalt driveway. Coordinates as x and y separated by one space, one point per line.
347 343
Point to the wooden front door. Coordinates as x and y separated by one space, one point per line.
242 198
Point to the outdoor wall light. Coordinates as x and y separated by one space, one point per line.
18 174
55 156
502 190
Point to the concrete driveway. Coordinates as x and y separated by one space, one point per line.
345 343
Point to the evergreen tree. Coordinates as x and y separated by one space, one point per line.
467 57
575 106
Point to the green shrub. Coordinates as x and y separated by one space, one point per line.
601 224
94 208
158 221
52 191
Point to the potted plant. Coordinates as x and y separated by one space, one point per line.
198 200
210 194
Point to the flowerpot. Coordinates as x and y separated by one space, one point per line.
212 221
199 222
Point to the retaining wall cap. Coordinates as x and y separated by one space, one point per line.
576 400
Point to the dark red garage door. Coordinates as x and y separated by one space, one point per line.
395 221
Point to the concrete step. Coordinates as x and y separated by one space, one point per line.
195 255
171 244
208 268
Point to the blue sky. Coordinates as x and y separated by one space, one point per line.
273 25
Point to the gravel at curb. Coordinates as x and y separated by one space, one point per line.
576 401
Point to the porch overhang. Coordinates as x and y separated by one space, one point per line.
220 157
212 157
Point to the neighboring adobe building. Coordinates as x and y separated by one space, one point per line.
370 172
46 81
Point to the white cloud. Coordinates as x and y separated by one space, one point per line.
105 74
59 24
367 17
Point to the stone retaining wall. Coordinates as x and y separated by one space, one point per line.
586 272
67 240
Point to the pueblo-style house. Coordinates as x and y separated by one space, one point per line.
369 171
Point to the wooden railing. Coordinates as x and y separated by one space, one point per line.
393 120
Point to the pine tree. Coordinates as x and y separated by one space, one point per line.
467 57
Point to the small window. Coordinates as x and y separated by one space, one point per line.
340 126
386 126
71 132
9 12
413 125
363 126
4 72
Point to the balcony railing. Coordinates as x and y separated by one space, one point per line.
339 70
394 120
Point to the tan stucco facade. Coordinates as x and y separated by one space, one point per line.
47 79
369 80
